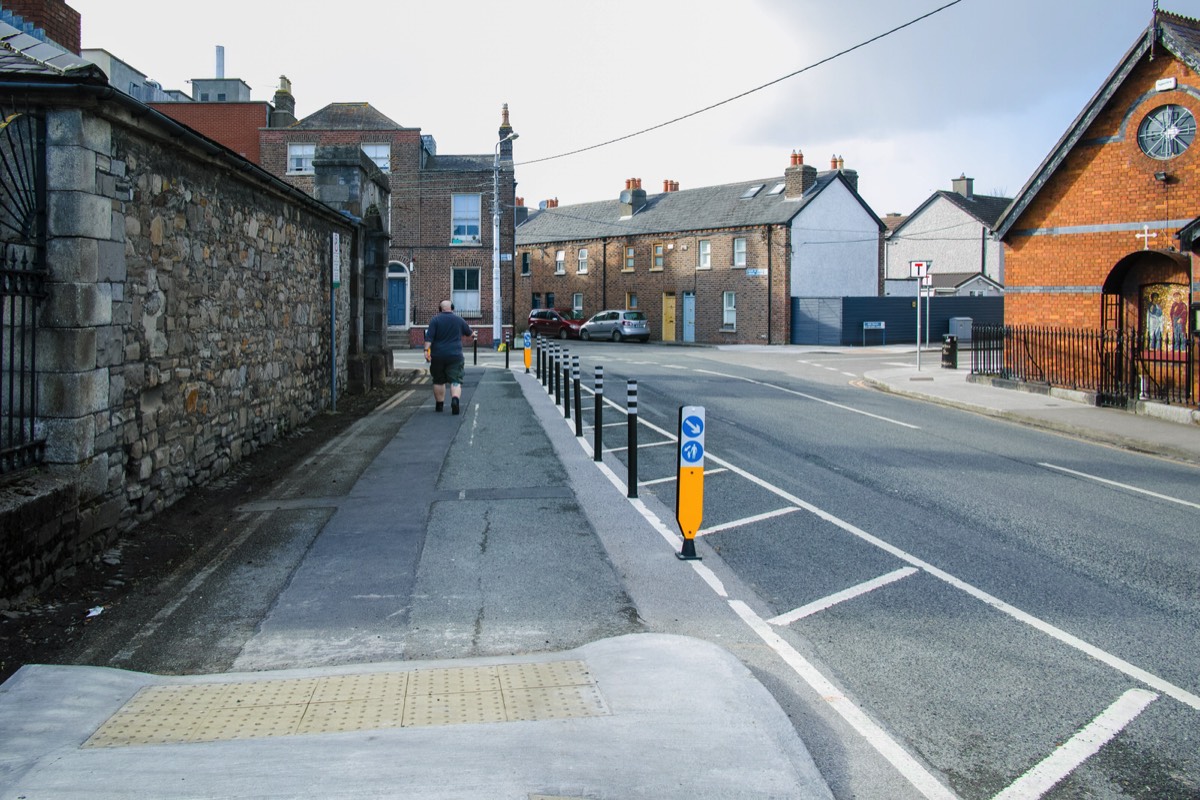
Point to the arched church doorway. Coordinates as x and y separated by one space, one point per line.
1146 329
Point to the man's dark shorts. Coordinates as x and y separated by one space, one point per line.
447 370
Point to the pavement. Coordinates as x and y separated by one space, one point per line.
331 697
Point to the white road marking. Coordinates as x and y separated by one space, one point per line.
738 523
886 746
674 478
1125 486
641 446
842 596
1079 748
811 397
1120 665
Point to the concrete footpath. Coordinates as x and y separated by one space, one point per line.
354 684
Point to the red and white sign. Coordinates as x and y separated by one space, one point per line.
918 269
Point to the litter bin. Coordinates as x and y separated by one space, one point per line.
949 351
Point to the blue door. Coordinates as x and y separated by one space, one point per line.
397 302
689 316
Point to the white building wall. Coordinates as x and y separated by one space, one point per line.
835 247
949 237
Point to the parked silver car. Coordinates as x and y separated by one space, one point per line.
617 325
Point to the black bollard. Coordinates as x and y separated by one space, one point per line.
507 347
557 377
475 347
632 418
598 422
578 399
566 379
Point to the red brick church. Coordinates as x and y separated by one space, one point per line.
1092 240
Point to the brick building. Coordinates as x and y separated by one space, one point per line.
1091 239
720 264
439 217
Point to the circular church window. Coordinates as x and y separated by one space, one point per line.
1166 132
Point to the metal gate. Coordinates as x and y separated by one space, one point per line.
22 281
816 320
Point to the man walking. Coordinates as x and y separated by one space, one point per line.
444 352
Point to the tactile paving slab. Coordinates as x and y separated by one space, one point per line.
209 712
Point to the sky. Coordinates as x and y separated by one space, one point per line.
981 88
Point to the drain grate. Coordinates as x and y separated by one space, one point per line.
210 712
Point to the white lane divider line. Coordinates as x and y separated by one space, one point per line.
641 446
1080 747
830 403
1189 699
886 746
840 597
738 523
1125 486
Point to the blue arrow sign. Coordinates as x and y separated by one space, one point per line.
693 426
692 453
528 339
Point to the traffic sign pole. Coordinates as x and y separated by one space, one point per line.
689 494
528 342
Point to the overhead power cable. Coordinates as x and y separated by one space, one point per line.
745 93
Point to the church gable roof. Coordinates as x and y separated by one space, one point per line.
1177 34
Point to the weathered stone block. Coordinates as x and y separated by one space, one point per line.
70 441
79 214
72 394
63 349
72 259
78 305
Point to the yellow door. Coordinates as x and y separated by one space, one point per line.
668 317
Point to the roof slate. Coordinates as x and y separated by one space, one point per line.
985 208
348 117
709 207
27 56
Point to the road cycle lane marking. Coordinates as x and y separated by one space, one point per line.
1125 486
842 596
738 523
1079 748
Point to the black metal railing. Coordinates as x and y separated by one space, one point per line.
23 275
1117 365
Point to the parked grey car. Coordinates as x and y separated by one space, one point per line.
617 325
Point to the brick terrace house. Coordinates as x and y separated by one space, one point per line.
953 232
720 264
440 215
1090 239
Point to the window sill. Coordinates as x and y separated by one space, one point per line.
727 329
738 266
703 269
466 244
628 270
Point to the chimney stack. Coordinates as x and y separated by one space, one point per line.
798 178
220 62
284 113
964 185
670 186
633 198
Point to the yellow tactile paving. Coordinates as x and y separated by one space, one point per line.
210 712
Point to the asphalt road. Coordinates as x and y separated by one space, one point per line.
986 592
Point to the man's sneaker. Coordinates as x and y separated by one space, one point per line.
453 405
438 408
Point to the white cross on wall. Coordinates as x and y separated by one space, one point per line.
1146 236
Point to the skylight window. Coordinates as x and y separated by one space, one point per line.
753 190
777 188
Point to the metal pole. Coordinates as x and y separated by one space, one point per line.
578 400
598 422
631 403
474 347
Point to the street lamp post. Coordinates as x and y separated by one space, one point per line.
497 313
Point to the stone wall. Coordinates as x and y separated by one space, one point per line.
188 325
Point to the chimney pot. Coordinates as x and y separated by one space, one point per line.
841 163
833 162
